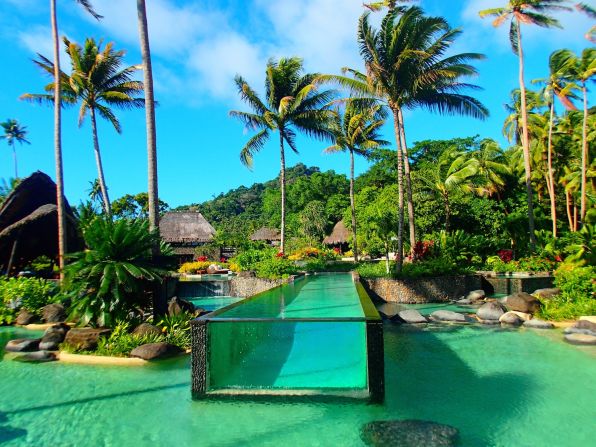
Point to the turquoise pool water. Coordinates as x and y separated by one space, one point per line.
212 303
500 388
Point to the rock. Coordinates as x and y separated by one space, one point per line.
408 433
464 301
176 306
36 357
547 294
388 310
522 315
476 295
580 339
146 329
490 311
199 312
53 313
23 345
522 302
535 323
447 315
85 338
582 327
53 336
412 316
153 351
589 318
25 317
246 274
511 318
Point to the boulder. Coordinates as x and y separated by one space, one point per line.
23 345
476 295
464 301
36 357
447 315
408 433
511 318
146 329
153 351
249 274
25 317
580 339
535 323
524 316
491 311
176 306
388 310
411 316
53 336
53 313
582 327
85 338
547 294
522 302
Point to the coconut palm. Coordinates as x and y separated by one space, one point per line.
357 132
512 127
491 167
293 103
149 116
531 12
98 82
590 12
14 133
61 211
406 67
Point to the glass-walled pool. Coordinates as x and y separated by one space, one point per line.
316 336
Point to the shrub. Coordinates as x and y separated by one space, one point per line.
312 253
177 329
275 268
372 270
248 260
315 265
528 264
29 293
199 266
441 266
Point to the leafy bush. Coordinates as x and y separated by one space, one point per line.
441 266
42 266
248 260
312 253
315 265
176 329
199 266
29 293
275 268
528 264
578 290
111 277
372 269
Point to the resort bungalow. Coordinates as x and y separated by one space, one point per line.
185 231
271 236
339 237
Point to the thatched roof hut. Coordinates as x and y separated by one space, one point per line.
266 234
185 228
339 235
29 223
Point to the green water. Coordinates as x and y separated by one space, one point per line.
212 303
500 388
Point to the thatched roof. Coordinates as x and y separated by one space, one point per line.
185 227
339 235
266 234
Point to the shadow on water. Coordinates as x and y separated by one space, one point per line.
427 379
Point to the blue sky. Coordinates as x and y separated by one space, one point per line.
198 47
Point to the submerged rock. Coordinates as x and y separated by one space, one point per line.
511 318
23 345
522 302
491 311
411 316
408 433
448 315
25 317
582 327
535 323
85 338
53 313
146 329
36 357
153 351
580 339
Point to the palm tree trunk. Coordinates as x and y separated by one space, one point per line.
582 213
282 185
525 139
152 190
400 190
100 176
575 217
404 147
447 212
353 206
568 208
551 175
387 269
14 156
58 143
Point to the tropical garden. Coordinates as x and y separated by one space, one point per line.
425 208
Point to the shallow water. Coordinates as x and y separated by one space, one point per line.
498 387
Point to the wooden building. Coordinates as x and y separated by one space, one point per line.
185 231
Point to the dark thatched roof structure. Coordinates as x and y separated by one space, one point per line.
29 217
185 228
266 234
339 235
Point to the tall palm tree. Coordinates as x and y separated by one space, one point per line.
531 12
357 132
406 67
512 127
491 166
98 82
152 190
86 4
590 12
13 133
292 103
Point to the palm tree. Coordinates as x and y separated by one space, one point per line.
292 103
152 190
529 12
590 12
14 132
406 67
98 82
491 166
512 127
356 132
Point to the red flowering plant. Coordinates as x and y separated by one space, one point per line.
423 249
202 258
506 255
223 259
337 250
279 255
